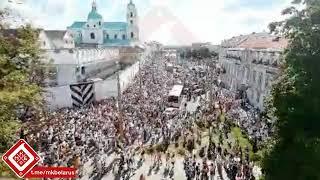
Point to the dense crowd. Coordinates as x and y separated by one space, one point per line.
107 134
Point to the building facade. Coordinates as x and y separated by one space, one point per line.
90 49
70 64
96 32
251 63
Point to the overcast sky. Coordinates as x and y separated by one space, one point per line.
166 21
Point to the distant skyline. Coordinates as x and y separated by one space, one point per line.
172 22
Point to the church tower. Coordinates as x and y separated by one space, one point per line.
132 20
92 32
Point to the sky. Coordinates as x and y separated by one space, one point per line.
171 22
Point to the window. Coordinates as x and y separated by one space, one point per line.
260 79
266 81
94 25
252 95
107 36
99 23
83 70
115 36
131 14
254 76
131 22
123 36
132 35
92 36
87 25
258 97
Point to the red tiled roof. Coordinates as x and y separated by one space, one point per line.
264 42
257 41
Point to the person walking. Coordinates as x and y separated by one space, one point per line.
198 171
212 171
142 177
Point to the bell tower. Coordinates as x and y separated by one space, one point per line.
132 20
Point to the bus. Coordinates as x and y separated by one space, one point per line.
174 97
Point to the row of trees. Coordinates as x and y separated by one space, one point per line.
295 101
198 53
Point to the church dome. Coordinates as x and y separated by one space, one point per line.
131 4
94 15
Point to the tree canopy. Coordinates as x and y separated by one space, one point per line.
296 97
20 79
198 53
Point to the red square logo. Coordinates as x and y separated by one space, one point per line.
21 158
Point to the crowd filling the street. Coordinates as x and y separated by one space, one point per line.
174 121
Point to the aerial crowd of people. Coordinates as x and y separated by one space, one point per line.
112 137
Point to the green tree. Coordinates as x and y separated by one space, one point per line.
188 53
21 77
214 54
194 53
204 53
295 98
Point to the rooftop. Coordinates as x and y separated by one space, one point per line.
77 25
256 41
94 15
264 42
106 25
115 25
176 90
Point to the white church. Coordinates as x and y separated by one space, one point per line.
90 51
96 32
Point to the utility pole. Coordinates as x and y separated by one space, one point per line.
211 83
120 121
140 74
140 86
